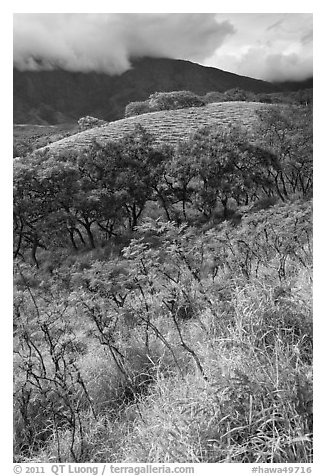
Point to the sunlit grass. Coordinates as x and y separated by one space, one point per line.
166 126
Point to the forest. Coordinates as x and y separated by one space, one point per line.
163 297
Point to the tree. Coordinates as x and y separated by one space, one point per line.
174 100
140 170
119 178
287 134
38 220
237 94
88 122
179 177
219 169
214 96
137 108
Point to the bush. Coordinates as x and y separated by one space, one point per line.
88 122
237 94
214 96
137 108
161 101
21 148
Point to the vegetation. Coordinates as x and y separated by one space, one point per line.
28 138
57 96
137 108
166 127
162 101
88 122
163 297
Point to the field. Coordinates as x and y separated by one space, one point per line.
28 137
163 295
166 126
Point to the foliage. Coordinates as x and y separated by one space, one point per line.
163 312
237 94
162 303
174 100
214 96
136 108
21 148
287 134
99 194
88 122
162 101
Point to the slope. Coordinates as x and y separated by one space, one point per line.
61 96
165 126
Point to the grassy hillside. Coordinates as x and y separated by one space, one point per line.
165 126
28 137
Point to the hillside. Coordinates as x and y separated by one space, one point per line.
29 137
58 96
163 297
165 126
295 85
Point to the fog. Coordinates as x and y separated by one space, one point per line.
273 47
107 42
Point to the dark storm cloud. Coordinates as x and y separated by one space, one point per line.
106 42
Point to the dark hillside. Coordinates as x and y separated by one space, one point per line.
61 96
295 85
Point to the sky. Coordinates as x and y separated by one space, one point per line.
269 46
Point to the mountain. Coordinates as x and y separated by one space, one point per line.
57 96
295 85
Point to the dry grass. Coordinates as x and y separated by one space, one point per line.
255 405
166 126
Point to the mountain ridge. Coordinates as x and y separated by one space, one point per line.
58 96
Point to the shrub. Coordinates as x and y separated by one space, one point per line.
214 96
88 122
21 148
137 108
237 94
174 100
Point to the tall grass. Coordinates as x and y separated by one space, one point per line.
255 405
215 365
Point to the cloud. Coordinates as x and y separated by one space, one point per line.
107 42
275 25
307 37
275 66
273 47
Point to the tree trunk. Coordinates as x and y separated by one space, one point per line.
225 207
72 239
133 221
20 237
33 252
284 186
90 236
163 203
134 216
278 189
80 235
